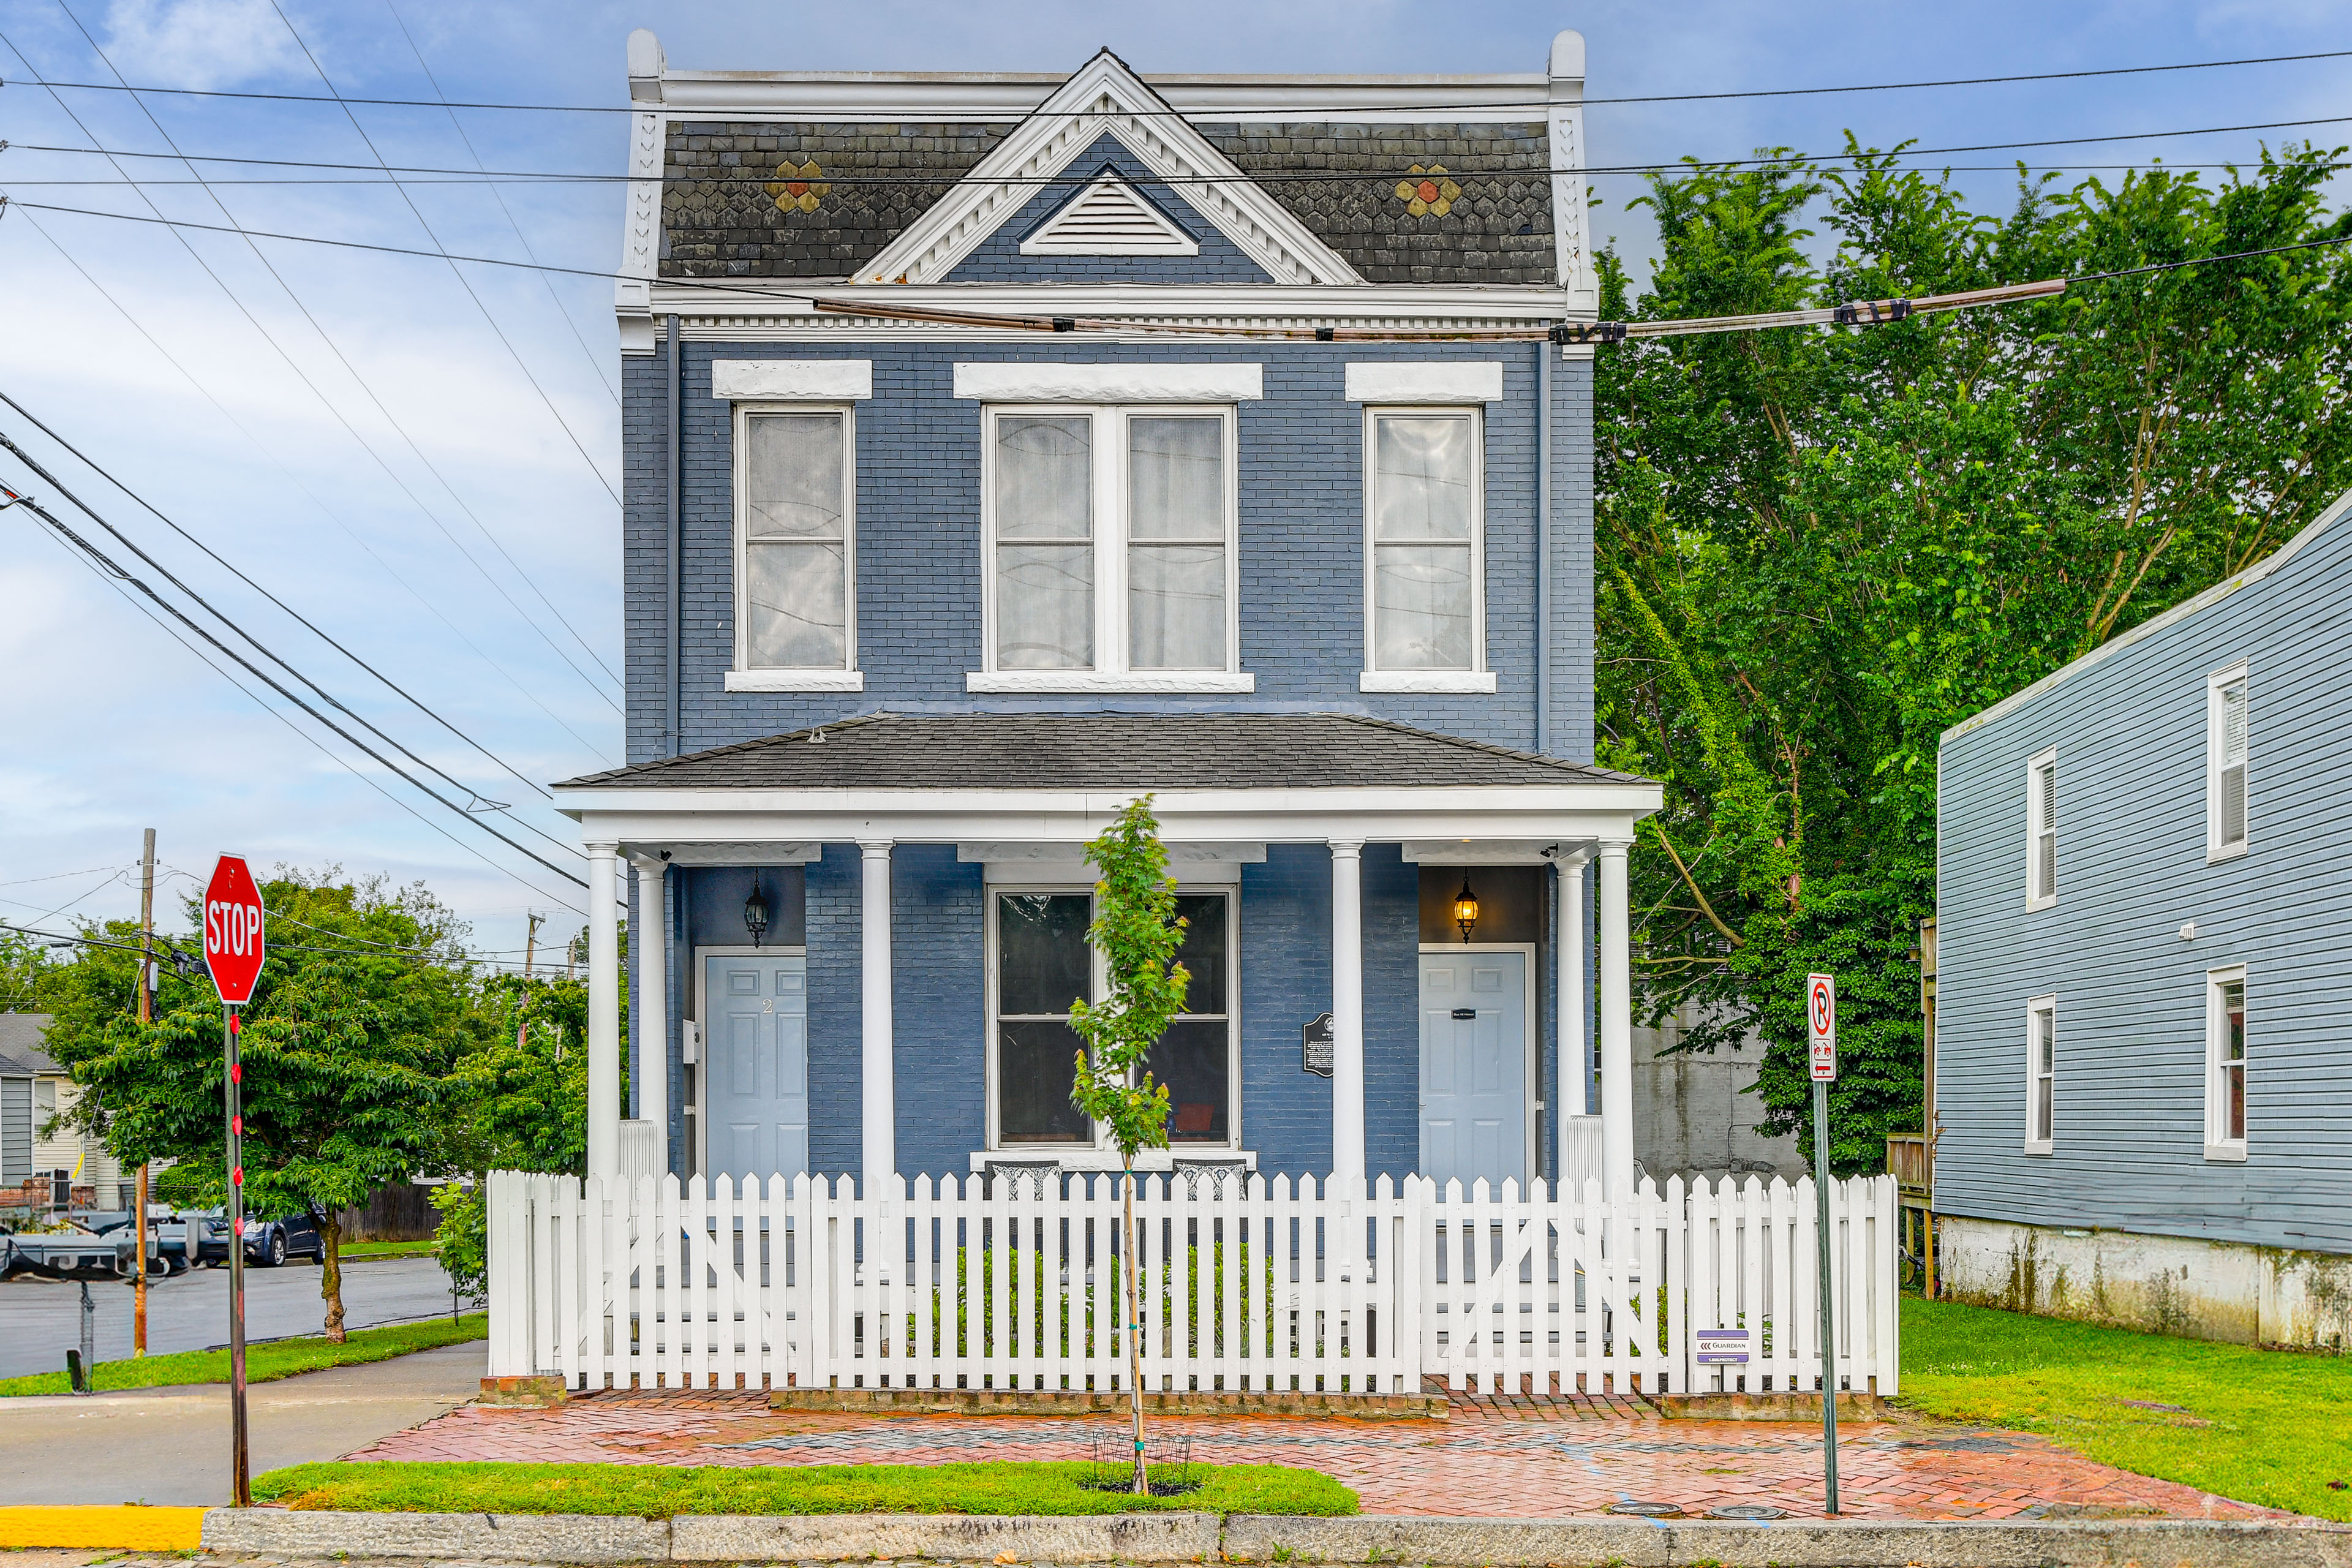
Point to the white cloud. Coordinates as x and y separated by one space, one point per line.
199 43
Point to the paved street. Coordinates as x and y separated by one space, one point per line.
1496 1459
40 1319
171 1446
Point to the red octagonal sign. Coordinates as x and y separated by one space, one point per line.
233 930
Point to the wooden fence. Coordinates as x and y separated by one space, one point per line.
1249 1285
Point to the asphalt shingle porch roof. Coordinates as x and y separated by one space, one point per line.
1105 752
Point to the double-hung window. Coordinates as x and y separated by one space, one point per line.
2225 764
2041 830
1043 962
2041 1074
1111 549
795 549
2225 1064
1425 488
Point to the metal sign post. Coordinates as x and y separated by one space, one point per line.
1821 1028
233 953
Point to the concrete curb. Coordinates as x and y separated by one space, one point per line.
1169 1538
1855 1543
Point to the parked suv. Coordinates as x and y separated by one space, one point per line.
267 1242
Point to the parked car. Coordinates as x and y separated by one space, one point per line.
72 1253
267 1242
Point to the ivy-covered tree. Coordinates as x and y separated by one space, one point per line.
1817 550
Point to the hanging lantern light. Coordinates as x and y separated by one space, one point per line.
755 913
1466 907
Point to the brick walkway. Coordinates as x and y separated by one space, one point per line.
1507 1457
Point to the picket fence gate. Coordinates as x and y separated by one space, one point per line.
1248 1284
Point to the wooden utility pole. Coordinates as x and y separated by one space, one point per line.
530 953
146 1015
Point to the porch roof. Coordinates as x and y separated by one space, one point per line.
1029 752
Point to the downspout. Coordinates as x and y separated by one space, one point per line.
672 718
1543 547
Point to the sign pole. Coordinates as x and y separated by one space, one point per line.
1821 1018
241 1470
233 951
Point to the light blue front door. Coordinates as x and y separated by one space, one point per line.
1473 1066
756 1056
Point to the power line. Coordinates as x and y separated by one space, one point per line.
369 391
393 685
1210 116
15 499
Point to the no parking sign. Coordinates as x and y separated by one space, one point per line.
1821 1025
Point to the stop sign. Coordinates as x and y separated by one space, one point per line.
233 930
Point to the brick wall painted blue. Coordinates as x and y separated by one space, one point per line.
836 1012
1391 916
998 258
1286 960
918 590
939 1002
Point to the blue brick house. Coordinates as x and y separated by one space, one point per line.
918 597
2142 930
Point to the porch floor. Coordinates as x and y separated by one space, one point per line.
1498 1456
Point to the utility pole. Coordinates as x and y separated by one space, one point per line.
530 953
146 1015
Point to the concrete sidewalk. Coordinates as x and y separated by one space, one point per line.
170 1446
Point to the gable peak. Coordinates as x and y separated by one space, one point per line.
1110 217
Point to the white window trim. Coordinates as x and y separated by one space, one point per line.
2230 1149
1111 672
745 676
2215 684
2048 757
1088 1155
1477 679
2036 1006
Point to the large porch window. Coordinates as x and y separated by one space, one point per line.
1042 963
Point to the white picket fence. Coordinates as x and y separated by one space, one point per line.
1249 1285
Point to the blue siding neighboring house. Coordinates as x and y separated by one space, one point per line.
2144 934
918 597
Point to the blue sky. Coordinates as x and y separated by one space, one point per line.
423 471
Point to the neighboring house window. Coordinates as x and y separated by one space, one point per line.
1424 492
2041 830
2041 1074
2225 764
795 540
2225 1064
1042 963
1111 543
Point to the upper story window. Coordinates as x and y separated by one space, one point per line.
2041 830
1424 492
2225 763
2041 1075
795 549
1110 542
2225 1064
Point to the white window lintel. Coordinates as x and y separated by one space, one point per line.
792 380
1014 382
1425 381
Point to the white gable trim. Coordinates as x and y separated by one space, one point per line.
1110 217
2108 650
1026 381
1105 97
822 380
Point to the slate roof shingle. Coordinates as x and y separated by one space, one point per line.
1106 751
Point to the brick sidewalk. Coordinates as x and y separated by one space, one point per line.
1510 1456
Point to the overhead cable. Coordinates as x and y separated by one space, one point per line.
1545 103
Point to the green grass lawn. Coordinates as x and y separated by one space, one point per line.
2262 1426
355 1249
660 1491
263 1364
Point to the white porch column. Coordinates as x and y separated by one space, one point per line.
1575 1076
650 942
1347 1008
881 1095
604 1015
1616 1005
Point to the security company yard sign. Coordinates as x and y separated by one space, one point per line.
233 953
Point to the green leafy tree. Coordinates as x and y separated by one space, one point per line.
1137 932
366 1001
1817 550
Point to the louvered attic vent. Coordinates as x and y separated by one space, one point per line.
1110 217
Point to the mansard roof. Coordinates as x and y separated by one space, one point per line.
1392 196
890 751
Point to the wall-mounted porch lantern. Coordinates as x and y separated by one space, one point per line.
1466 907
755 913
